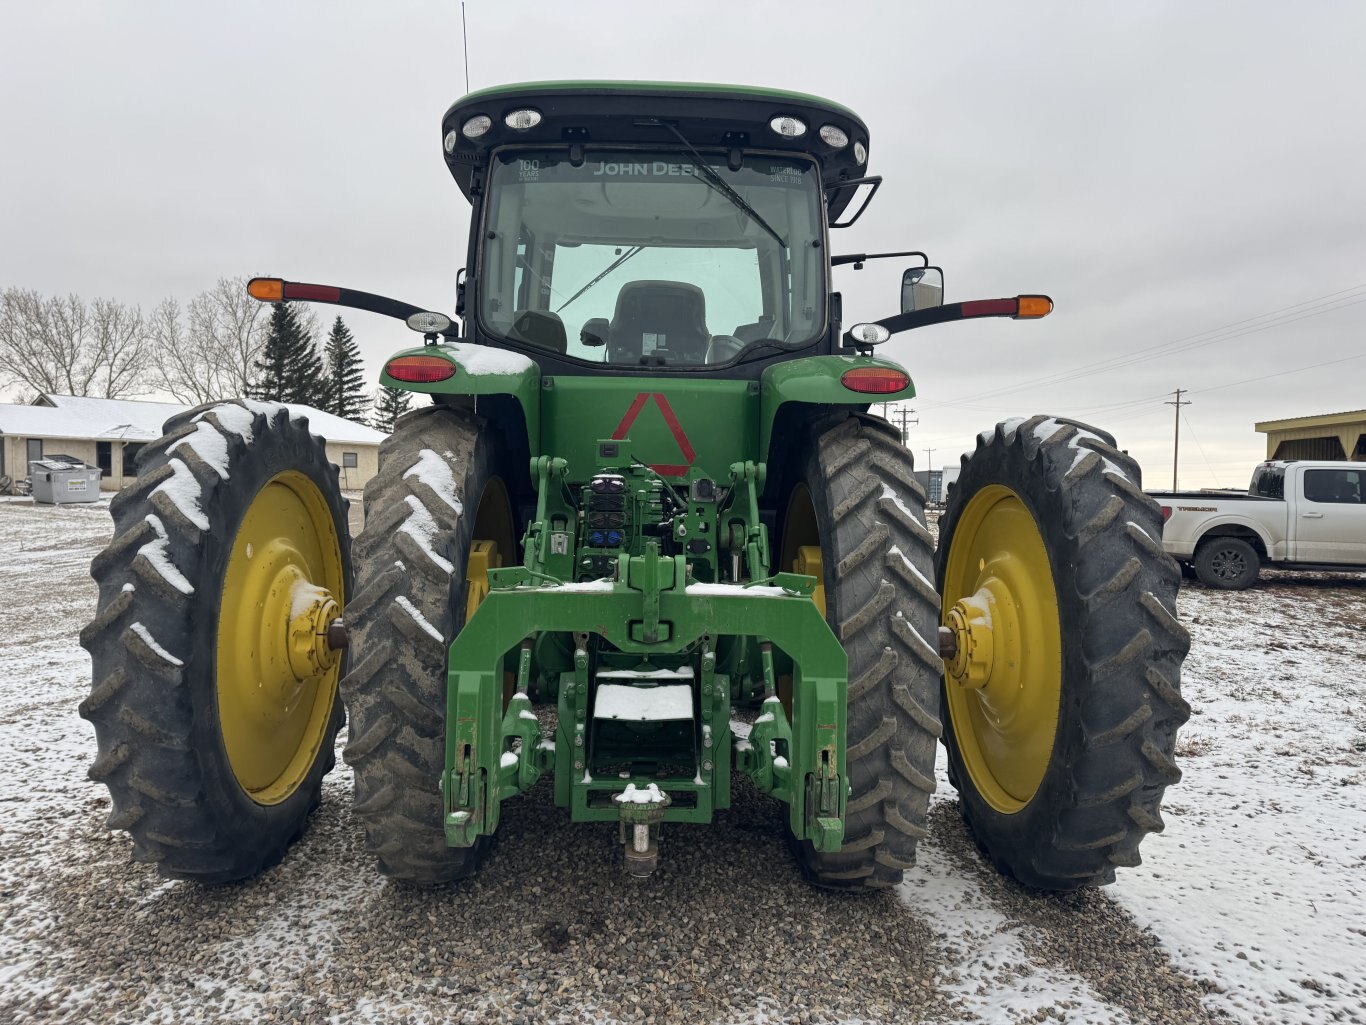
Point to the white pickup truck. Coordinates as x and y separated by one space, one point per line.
1297 513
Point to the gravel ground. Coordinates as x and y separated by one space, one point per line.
550 931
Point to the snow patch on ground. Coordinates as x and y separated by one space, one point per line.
988 966
1259 879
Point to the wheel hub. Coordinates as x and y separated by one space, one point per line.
974 647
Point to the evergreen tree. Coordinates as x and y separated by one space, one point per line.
343 380
288 369
390 404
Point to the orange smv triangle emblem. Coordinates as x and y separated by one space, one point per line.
675 428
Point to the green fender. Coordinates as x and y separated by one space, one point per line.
482 370
816 380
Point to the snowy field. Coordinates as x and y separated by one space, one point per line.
1251 907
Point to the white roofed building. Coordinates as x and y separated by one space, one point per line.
109 433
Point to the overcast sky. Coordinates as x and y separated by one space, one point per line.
1167 172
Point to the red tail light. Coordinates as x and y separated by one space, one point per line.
1166 513
317 293
875 380
420 369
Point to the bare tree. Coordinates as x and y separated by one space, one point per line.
118 349
210 351
65 346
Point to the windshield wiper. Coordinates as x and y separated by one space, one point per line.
719 184
609 269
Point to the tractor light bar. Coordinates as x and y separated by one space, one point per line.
1034 306
834 136
869 334
267 290
275 290
476 126
430 323
522 120
1022 307
875 380
419 369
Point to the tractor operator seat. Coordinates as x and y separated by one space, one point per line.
651 315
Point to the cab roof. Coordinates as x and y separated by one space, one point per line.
628 113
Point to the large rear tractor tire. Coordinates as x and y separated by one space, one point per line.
214 697
436 496
1062 703
856 520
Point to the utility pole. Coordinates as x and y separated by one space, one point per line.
903 414
1176 444
929 458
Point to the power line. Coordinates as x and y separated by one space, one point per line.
1280 317
1279 373
903 413
1176 445
1201 447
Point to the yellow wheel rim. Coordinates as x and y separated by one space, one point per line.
802 542
494 542
1005 682
276 674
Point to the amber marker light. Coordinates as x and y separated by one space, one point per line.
875 380
1033 307
268 290
420 369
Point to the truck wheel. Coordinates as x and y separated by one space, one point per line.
1228 563
436 494
214 696
1062 701
856 520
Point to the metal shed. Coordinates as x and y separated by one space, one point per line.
1326 436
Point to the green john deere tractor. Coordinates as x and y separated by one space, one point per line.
646 537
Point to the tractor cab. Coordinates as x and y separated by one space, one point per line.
652 227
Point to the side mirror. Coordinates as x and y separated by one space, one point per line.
594 331
922 288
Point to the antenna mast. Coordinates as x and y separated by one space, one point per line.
465 39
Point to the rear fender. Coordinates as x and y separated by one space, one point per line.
815 381
482 370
